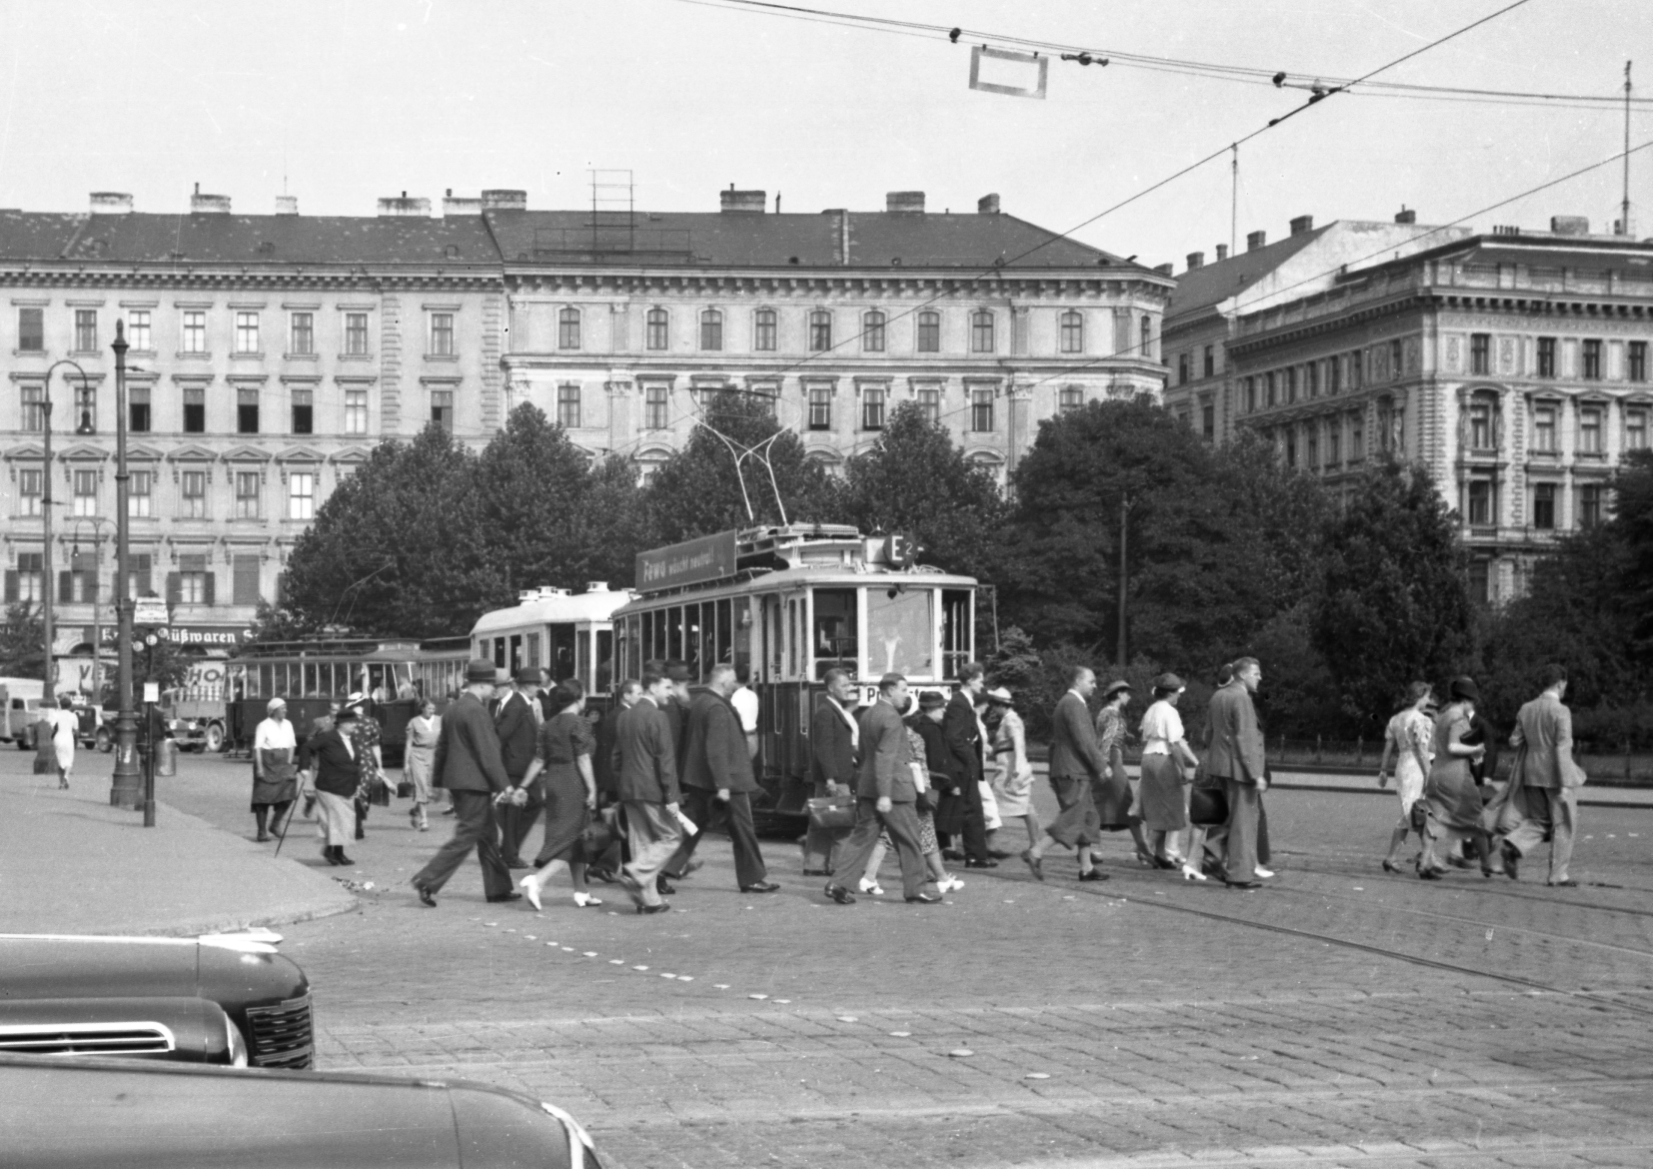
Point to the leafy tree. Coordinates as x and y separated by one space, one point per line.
23 641
1395 605
916 480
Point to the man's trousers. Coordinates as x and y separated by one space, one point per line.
475 827
1546 812
1240 864
653 834
901 822
735 817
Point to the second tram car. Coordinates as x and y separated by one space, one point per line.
786 604
566 634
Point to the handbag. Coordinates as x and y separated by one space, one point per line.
1418 816
1207 807
832 813
597 837
404 789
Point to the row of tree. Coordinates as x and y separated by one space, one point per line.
1225 553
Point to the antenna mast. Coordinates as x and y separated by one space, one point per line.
1234 201
1624 207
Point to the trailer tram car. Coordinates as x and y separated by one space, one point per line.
569 635
785 605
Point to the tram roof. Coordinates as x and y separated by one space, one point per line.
552 607
811 576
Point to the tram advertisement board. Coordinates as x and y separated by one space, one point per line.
691 562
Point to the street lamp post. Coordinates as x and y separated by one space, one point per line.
126 790
97 523
47 583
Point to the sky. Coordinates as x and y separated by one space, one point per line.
341 102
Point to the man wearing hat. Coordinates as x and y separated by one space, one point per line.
1076 765
645 768
335 773
274 767
468 764
1234 755
517 718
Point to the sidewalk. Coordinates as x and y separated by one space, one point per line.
71 864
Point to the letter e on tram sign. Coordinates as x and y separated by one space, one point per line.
691 562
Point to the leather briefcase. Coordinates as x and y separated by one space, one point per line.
831 813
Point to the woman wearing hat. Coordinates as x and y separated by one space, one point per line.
366 735
1165 752
1112 793
1453 799
275 770
334 769
1013 783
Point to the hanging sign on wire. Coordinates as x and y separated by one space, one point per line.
1005 69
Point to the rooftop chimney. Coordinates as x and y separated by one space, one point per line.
403 207
732 202
1570 224
200 204
987 205
286 204
1406 215
1302 224
1255 240
504 199
905 202
111 203
460 204
1163 269
1222 252
1196 260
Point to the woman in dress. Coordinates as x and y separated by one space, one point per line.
1451 796
1408 740
1112 794
365 737
275 768
60 725
1165 753
563 754
424 729
1013 780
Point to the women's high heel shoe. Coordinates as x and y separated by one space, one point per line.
531 890
1190 873
1390 867
871 887
585 899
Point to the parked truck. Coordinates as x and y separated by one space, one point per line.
20 701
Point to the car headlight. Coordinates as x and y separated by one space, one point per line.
582 1154
237 1044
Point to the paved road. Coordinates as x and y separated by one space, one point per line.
1342 1017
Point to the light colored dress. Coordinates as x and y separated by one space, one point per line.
1453 797
1161 788
1013 785
1410 732
275 780
65 725
421 754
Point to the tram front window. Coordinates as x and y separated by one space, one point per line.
900 632
834 636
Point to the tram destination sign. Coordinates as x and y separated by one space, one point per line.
691 562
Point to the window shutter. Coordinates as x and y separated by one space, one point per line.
207 593
174 588
142 570
244 583
13 588
92 585
65 587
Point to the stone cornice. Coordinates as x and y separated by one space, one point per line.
811 283
298 278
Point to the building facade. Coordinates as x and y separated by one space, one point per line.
270 354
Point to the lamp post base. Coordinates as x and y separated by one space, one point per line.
127 790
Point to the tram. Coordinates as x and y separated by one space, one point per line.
570 635
786 604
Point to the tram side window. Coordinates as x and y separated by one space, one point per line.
693 629
900 632
723 642
674 634
835 631
955 630
604 676
499 652
561 663
794 634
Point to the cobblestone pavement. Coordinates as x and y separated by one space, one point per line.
1341 1017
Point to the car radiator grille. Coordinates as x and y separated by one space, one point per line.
281 1035
88 1039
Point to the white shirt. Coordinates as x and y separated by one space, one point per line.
1161 726
745 702
273 736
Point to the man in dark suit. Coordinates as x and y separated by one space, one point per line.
963 732
1076 762
833 738
1234 755
1543 796
517 719
885 798
645 768
468 764
329 756
715 772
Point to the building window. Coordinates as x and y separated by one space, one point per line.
1070 398
301 334
1480 353
195 331
658 322
820 407
137 409
29 483
246 332
568 329
1637 365
441 409
1480 503
1480 581
86 493
86 409
246 410
31 567
1592 361
1334 375
711 331
1183 363
137 330
1073 332
654 407
1311 447
139 566
1543 429
568 406
247 495
820 330
441 334
1311 379
355 411
1395 369
194 581
194 495
355 334
1290 445
1357 369
981 331
1210 361
763 330
1357 438
31 330
1250 395
1480 426
140 495
1208 421
1589 431
872 332
1148 338
195 410
1334 443
1589 505
244 580
929 403
1546 357
1291 383
301 495
1269 380
1543 506
1635 430
304 412
929 332
981 411
872 408
86 330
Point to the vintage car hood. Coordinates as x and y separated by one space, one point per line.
69 966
